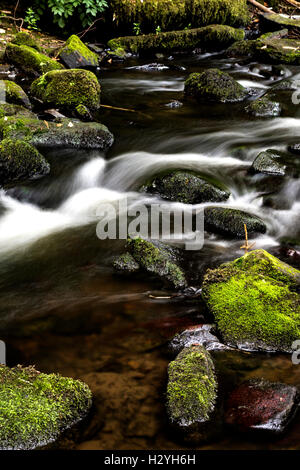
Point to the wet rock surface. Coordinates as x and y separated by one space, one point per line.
270 163
75 54
263 107
262 407
230 222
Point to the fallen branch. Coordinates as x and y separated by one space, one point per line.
260 6
294 3
118 109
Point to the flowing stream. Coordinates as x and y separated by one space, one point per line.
62 307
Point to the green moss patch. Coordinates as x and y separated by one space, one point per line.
30 60
76 54
35 407
15 94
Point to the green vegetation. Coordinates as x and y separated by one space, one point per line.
35 407
15 94
30 60
76 54
192 387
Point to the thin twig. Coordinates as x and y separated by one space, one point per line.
260 6
83 33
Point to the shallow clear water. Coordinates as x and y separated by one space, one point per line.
62 307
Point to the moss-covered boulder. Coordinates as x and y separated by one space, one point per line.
192 394
13 93
35 408
67 133
186 187
214 85
126 263
75 54
25 39
244 48
230 222
30 60
274 22
176 14
8 109
158 259
277 48
68 89
213 37
19 160
255 302
263 107
269 163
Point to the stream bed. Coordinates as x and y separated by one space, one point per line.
63 308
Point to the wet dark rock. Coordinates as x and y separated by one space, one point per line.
67 133
19 160
269 162
126 263
214 37
75 54
262 406
14 94
197 335
68 89
284 85
192 395
263 107
254 302
242 49
230 222
186 187
295 149
158 259
36 408
214 85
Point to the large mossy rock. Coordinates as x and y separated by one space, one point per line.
215 37
244 48
186 187
35 408
269 163
177 14
192 394
230 222
274 22
255 302
25 39
67 133
68 89
214 85
75 54
154 257
12 93
277 48
263 107
19 160
30 60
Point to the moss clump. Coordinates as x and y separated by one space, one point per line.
19 160
230 222
35 407
76 54
177 14
242 49
158 259
68 88
253 302
192 387
210 37
30 60
7 109
263 107
276 48
186 187
14 93
44 134
214 85
25 39
126 263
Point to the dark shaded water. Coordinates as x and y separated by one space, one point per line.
62 307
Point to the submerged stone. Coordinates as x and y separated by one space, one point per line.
30 60
67 133
269 163
230 222
210 37
254 302
35 408
68 89
75 54
158 259
13 94
263 107
261 406
19 160
192 394
214 85
186 187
